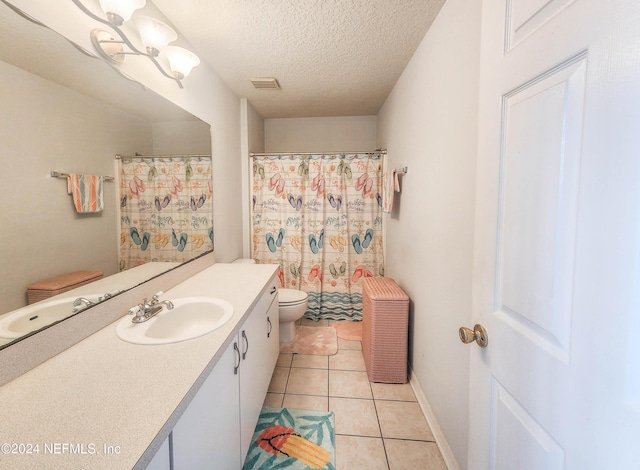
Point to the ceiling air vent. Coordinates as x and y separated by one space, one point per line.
265 83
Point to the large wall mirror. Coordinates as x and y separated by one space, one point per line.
63 110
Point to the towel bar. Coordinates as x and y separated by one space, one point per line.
57 174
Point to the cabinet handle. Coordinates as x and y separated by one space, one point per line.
274 290
246 342
236 366
270 327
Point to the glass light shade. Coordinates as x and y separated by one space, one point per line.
181 61
155 34
119 11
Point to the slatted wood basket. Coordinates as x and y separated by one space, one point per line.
385 330
57 285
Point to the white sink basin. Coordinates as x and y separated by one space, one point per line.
33 317
190 318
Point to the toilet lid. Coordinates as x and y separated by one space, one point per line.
291 296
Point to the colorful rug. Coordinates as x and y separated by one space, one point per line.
292 439
319 340
349 330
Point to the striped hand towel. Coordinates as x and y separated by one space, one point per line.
86 191
390 185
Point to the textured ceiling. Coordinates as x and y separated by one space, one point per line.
331 57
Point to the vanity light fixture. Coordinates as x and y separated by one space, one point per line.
119 11
181 61
154 34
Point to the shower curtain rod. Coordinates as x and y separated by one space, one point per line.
119 157
276 154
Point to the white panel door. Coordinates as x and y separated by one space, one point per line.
557 242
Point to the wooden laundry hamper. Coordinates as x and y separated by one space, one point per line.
57 285
385 330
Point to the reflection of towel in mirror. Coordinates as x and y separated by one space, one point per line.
86 191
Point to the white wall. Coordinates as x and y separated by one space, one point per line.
45 127
181 138
322 134
255 129
428 123
252 126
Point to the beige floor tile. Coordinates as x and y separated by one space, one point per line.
284 360
308 381
402 420
306 402
360 453
354 416
273 400
279 380
349 384
400 392
347 360
310 361
352 345
410 455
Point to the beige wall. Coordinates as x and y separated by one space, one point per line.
45 127
181 138
255 129
428 123
323 134
252 142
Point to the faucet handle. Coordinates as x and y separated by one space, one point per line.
134 310
156 296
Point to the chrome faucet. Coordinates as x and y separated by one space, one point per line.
146 310
81 301
108 295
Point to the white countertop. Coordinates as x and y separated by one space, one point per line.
104 394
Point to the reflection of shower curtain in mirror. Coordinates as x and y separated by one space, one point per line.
320 218
165 209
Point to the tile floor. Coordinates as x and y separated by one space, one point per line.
378 426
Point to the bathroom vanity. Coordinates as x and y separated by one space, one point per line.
107 403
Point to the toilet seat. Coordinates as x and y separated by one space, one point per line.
291 297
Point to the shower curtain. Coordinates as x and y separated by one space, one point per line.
320 218
165 209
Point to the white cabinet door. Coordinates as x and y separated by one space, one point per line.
273 336
260 349
208 433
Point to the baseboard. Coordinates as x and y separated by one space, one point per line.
441 441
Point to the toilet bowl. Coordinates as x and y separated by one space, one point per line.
292 305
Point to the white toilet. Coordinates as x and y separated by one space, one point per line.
292 305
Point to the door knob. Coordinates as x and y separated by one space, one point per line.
478 334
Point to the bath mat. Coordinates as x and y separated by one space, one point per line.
292 439
319 340
349 330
